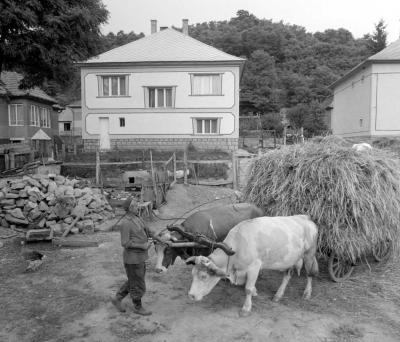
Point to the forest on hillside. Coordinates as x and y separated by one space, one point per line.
288 67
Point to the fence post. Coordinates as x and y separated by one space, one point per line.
234 171
97 166
12 160
153 178
174 167
63 151
185 165
302 135
284 136
31 156
6 161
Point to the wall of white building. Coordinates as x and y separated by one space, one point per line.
351 114
141 121
385 99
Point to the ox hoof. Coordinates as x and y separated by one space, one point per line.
306 296
276 299
244 313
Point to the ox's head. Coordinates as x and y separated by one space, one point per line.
165 255
205 276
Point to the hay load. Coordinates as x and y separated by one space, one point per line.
353 197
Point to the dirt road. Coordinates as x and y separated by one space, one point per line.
68 298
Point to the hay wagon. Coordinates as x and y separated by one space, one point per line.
341 269
352 196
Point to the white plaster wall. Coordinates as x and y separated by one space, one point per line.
160 124
138 79
352 103
163 122
386 99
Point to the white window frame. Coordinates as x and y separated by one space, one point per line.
193 91
45 117
156 89
34 116
18 121
102 78
203 120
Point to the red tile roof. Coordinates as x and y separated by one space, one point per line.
9 85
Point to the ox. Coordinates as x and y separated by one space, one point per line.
273 243
214 223
362 147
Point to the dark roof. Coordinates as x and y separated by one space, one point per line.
390 54
9 86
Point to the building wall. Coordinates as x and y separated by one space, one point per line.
385 99
154 124
25 131
351 114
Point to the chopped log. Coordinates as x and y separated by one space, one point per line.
71 226
74 243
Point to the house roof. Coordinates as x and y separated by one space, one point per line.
9 86
40 135
167 45
390 54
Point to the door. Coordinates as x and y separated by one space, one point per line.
104 134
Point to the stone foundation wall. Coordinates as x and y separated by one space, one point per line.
224 144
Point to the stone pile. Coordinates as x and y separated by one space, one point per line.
51 201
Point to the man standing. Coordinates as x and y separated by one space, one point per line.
134 240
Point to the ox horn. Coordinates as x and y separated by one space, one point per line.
212 267
191 261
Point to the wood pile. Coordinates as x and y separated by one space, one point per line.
52 201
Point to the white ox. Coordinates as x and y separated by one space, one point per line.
274 243
362 147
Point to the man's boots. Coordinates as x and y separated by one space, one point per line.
118 304
139 309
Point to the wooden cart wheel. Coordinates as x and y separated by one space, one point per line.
382 251
339 270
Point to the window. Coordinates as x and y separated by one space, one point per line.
206 84
67 126
15 115
34 117
113 85
160 97
206 126
45 117
121 122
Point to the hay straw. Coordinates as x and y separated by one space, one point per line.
353 197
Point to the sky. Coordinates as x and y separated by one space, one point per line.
357 16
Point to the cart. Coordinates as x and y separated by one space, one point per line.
341 269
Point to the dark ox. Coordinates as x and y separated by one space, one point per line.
274 243
214 223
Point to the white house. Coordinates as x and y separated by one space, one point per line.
70 123
162 91
366 100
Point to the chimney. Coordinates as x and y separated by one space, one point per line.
162 28
185 26
153 26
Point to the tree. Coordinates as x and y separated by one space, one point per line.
377 41
43 38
